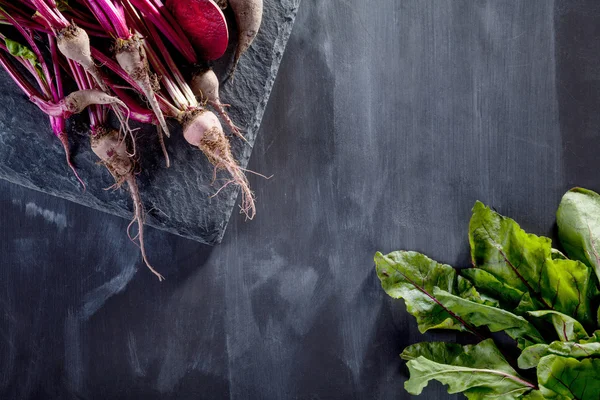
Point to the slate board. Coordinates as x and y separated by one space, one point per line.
178 200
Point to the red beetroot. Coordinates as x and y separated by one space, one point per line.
205 25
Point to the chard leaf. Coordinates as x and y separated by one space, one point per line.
592 339
440 352
575 350
524 262
531 356
533 395
568 378
19 50
487 283
569 286
469 292
578 219
558 255
589 347
567 328
412 276
500 247
527 304
63 5
479 371
496 319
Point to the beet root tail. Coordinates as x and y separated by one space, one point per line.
163 147
139 218
65 143
230 124
248 205
217 149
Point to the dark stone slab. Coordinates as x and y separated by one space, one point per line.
178 199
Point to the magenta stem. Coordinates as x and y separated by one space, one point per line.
183 88
52 15
166 106
116 16
30 68
101 17
138 112
168 26
60 93
23 84
27 35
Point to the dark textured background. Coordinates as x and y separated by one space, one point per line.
385 125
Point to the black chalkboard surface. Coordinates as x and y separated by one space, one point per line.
385 125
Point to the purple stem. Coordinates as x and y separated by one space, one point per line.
116 16
167 107
179 79
102 18
52 15
23 84
60 93
27 35
168 26
176 95
29 67
138 113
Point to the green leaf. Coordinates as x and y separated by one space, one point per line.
567 328
412 276
578 219
524 262
527 304
479 371
444 353
487 283
592 339
531 356
18 50
562 377
558 255
569 286
469 292
496 319
575 350
500 247
588 347
63 5
533 395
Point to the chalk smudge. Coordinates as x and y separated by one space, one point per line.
133 356
51 217
97 297
73 355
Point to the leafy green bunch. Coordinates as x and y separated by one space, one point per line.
520 285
